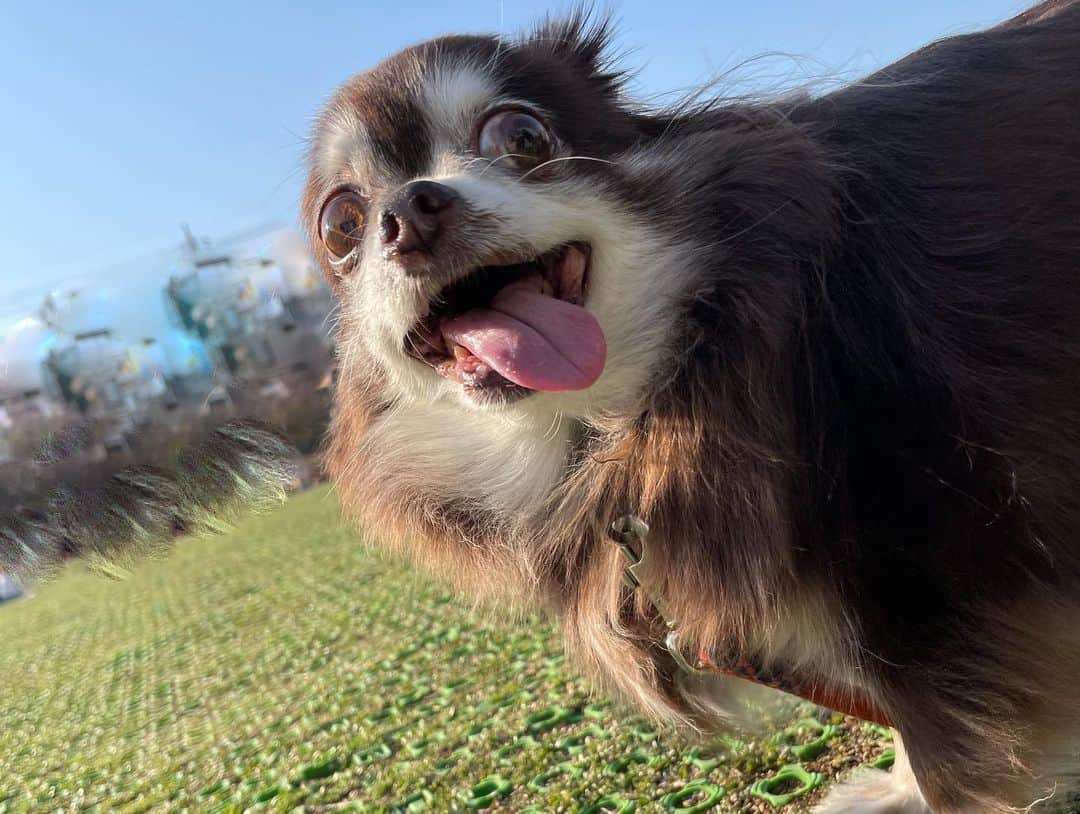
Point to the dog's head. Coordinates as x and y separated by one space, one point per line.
555 308
525 264
485 246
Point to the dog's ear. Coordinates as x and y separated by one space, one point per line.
581 39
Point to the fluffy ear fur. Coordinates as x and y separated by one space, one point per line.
582 40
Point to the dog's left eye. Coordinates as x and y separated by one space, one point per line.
516 134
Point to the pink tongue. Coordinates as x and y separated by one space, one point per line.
534 340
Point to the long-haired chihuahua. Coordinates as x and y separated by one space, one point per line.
827 347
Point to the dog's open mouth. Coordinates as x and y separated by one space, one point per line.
521 326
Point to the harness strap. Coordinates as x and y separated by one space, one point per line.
628 530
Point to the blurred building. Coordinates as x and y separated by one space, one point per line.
102 375
243 319
255 318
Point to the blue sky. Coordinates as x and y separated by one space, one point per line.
123 120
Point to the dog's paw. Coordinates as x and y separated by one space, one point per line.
872 791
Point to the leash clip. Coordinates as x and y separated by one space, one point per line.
629 531
625 532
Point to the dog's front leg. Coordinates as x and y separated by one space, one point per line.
873 791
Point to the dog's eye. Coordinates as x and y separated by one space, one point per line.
341 223
518 134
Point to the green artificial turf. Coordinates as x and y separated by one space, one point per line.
283 667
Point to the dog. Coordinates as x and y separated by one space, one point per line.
827 347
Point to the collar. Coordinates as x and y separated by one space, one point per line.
630 533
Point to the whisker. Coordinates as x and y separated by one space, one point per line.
412 344
567 158
556 424
332 318
497 159
475 160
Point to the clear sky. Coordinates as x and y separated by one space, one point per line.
120 121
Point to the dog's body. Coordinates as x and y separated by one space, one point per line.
842 374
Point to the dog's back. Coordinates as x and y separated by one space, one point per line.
952 328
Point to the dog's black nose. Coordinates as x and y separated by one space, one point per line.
416 216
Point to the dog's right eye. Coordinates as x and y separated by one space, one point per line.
341 223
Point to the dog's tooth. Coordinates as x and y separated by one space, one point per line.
574 261
572 276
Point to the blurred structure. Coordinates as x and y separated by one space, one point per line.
101 375
244 309
242 331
